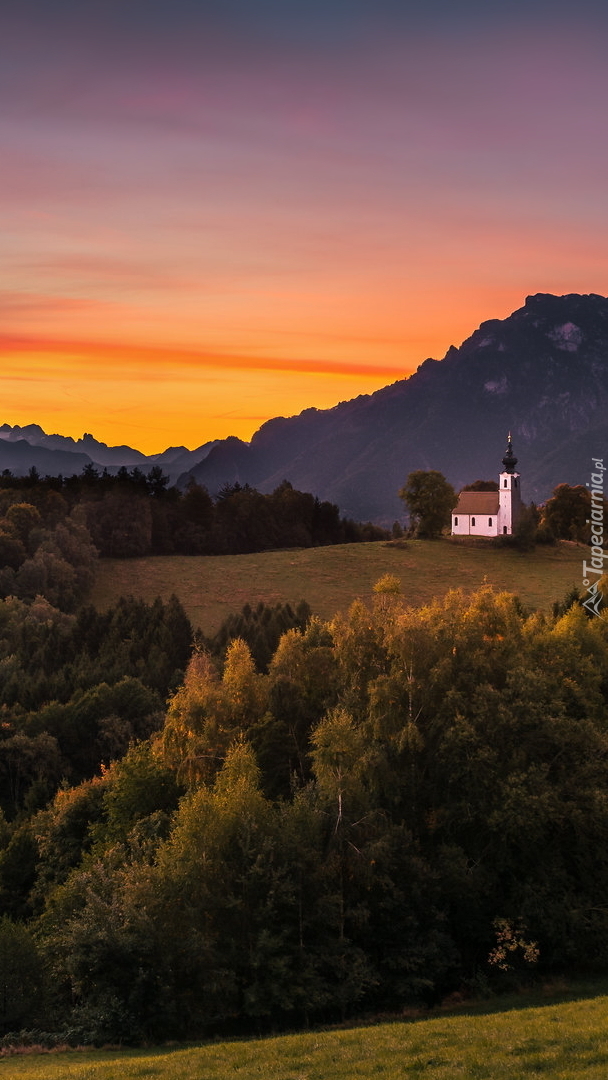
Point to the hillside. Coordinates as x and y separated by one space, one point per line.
330 578
396 806
561 1040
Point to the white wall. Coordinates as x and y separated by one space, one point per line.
481 527
510 500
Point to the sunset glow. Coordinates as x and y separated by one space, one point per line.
215 213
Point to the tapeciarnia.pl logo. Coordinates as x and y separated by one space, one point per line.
595 598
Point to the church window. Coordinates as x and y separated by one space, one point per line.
489 521
504 529
455 521
472 521
505 483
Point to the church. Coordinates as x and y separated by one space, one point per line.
491 513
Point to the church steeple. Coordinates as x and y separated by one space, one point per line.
510 505
509 460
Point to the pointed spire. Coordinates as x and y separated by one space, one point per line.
509 460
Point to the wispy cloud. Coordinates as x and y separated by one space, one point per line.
159 361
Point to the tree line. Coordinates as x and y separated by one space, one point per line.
133 514
396 804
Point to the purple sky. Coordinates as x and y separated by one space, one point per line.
255 207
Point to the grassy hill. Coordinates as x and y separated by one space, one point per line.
561 1041
330 578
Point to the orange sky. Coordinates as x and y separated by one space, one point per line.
209 224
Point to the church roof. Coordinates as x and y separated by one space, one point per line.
509 460
477 502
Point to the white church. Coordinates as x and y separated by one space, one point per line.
491 513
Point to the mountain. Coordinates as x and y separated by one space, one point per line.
177 459
23 448
19 456
541 373
95 451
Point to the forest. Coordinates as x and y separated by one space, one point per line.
296 821
132 513
398 805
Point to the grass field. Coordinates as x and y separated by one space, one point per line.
330 578
560 1041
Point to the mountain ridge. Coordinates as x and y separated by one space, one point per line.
25 447
541 373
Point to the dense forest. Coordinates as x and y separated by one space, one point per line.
295 821
132 513
380 809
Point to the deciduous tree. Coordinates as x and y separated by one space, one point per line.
430 499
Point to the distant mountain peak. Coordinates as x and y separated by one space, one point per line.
542 372
23 448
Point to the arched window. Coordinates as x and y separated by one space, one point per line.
504 529
472 521
455 521
505 483
489 521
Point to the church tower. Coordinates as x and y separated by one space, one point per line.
509 492
491 513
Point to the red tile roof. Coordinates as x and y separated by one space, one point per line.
477 502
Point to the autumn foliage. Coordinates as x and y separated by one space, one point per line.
400 804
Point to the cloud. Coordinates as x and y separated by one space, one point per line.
158 361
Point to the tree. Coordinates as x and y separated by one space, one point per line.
430 499
208 712
567 512
12 550
221 883
339 749
48 575
261 628
303 683
388 592
121 524
481 485
138 786
64 834
524 532
196 517
22 518
157 481
20 976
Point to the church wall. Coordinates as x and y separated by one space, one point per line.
462 528
474 525
482 525
510 500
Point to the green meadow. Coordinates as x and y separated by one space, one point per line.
330 578
559 1041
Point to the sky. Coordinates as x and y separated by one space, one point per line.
212 213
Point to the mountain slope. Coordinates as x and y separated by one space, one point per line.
541 373
19 456
23 448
